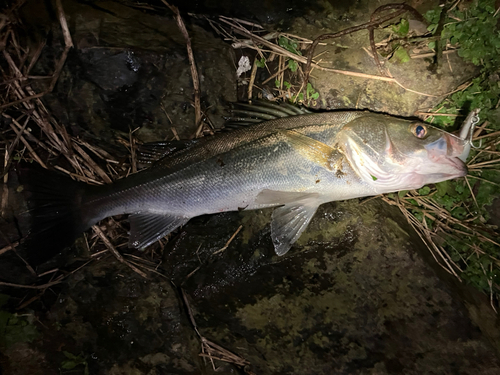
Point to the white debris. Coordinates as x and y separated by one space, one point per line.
243 65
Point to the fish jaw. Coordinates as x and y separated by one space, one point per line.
446 158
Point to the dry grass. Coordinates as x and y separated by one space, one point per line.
32 133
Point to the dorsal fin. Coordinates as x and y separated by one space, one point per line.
149 153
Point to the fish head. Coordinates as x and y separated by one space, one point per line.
392 154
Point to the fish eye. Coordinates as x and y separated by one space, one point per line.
419 130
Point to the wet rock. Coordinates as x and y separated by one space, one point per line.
129 69
352 297
117 321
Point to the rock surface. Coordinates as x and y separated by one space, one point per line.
358 294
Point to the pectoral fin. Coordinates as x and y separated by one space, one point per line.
146 228
289 221
315 151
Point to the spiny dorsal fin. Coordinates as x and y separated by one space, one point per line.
149 153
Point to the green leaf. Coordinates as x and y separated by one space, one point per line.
374 178
289 44
277 83
442 188
292 64
402 193
401 28
424 191
432 16
432 28
260 63
288 85
74 361
309 89
401 55
70 355
311 93
69 365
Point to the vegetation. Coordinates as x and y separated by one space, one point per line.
454 216
15 328
72 361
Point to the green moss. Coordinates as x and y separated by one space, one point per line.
326 231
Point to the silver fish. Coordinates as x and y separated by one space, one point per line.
294 161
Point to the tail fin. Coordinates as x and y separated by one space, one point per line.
54 203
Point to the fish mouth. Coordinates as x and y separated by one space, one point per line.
446 157
448 167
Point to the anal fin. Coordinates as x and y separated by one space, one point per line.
147 227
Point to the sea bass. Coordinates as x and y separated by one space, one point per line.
293 161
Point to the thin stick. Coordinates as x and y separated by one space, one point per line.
25 99
9 247
192 63
68 44
133 158
44 286
115 252
93 164
28 146
64 24
252 79
174 132
229 241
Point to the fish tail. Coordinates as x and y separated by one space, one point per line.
55 210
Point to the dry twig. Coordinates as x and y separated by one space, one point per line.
192 63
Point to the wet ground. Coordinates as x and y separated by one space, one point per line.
358 294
